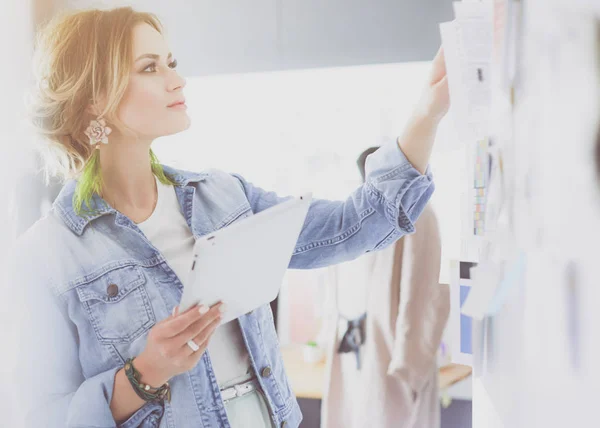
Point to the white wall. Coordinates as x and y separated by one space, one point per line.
303 130
15 44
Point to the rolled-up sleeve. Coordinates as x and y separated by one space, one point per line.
49 385
391 176
372 217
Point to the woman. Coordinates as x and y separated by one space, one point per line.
101 320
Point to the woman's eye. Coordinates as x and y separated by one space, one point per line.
152 67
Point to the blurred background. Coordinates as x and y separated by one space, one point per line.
286 93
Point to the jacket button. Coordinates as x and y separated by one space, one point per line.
112 290
266 372
284 424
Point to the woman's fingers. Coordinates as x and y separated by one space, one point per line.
198 326
175 324
202 338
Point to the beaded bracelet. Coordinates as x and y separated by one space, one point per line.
144 391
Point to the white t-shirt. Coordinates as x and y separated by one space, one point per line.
168 231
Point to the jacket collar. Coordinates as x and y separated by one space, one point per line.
63 204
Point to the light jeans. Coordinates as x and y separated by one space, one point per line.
249 410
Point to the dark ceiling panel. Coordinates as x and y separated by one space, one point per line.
235 36
349 32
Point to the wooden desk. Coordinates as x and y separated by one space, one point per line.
453 373
307 379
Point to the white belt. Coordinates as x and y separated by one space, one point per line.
238 390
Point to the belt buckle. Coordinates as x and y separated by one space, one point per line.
228 394
237 391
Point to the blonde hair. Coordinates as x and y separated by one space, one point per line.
82 58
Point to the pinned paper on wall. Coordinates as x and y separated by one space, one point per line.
474 206
485 279
467 45
514 273
506 32
573 306
481 169
492 282
460 325
467 42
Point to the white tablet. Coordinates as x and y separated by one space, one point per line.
243 264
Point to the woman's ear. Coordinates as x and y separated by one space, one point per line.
93 110
95 107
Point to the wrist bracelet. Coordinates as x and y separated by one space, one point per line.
144 391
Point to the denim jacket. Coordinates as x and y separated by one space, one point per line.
76 334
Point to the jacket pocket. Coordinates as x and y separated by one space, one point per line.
118 305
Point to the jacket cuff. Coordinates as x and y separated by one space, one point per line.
147 416
99 389
404 190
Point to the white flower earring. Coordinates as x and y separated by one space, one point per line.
98 132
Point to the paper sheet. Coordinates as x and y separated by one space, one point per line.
467 45
485 278
460 325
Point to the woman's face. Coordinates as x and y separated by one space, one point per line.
154 87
